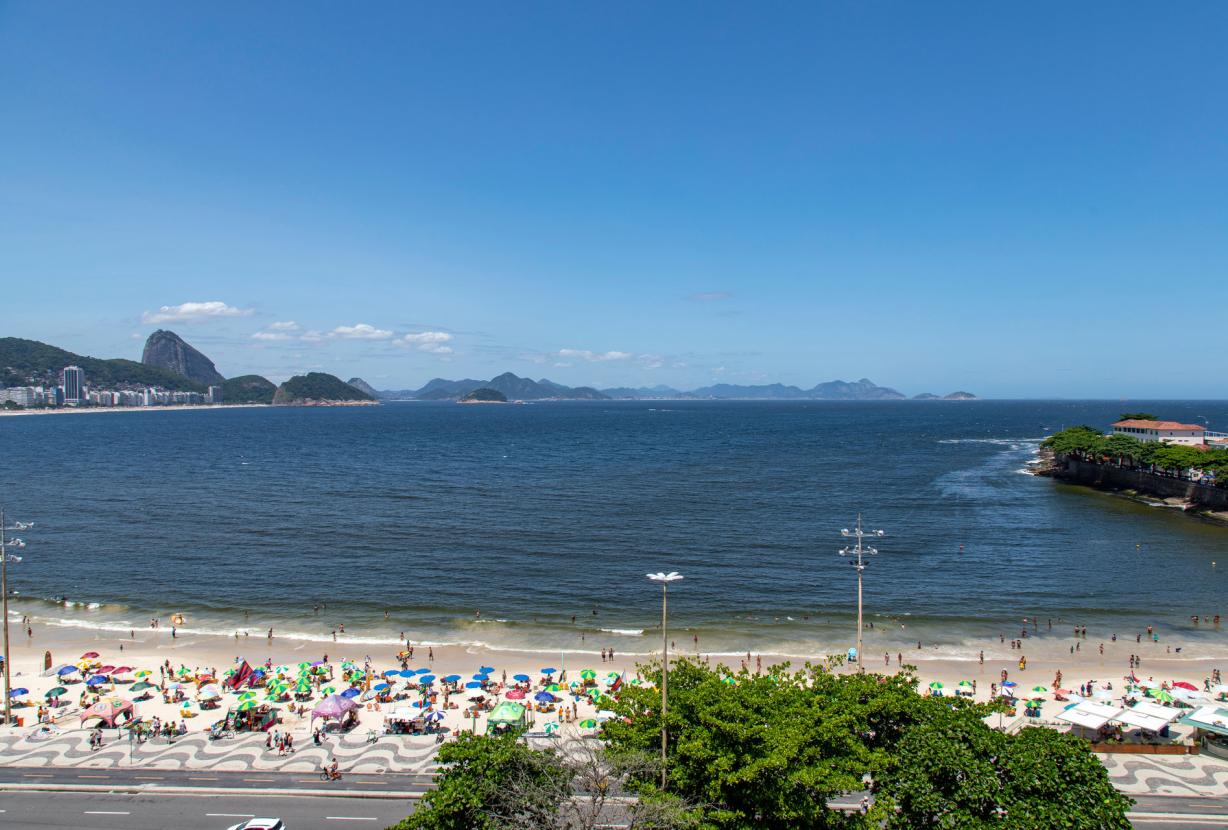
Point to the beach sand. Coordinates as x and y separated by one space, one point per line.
150 648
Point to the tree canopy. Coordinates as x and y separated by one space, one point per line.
1089 444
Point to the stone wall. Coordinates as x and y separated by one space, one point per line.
1110 477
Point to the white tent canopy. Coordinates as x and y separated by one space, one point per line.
1089 715
1141 720
1168 713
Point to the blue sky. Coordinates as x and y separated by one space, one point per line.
1022 200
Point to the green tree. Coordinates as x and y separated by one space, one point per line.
1122 448
1138 416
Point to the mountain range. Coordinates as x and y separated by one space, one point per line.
526 389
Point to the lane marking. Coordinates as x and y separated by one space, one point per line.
1195 818
105 813
350 818
36 775
230 815
201 778
149 777
259 779
93 776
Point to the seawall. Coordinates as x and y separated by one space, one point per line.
1111 477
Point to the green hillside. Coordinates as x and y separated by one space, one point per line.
318 386
248 389
21 359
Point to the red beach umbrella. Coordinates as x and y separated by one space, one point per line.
107 670
1181 684
515 694
89 655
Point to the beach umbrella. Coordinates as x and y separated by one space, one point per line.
58 690
327 690
1044 690
391 672
635 681
551 727
938 684
95 680
209 692
55 670
728 680
473 684
19 692
544 697
486 669
515 694
612 675
106 669
302 688
588 674
1164 696
350 693
183 670
587 724
428 679
594 693
1009 684
434 716
554 687
140 686
122 670
63 670
548 671
89 655
452 678
407 672
521 678
379 687
247 705
303 666
1181 684
349 664
247 696
480 676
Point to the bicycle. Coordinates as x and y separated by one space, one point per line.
327 774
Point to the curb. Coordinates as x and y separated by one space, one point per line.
138 789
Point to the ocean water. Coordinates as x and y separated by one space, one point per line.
244 519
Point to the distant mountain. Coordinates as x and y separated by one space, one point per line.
29 360
484 395
862 390
927 396
315 388
248 389
167 350
641 392
775 391
509 385
362 386
959 396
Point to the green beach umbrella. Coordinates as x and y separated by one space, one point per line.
1163 695
729 681
141 686
965 684
249 695
304 666
247 704
554 687
635 681
588 724
328 690
552 727
936 685
1041 689
58 690
588 674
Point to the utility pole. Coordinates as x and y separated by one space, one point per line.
4 604
665 579
858 551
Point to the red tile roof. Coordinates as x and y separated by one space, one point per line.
1159 425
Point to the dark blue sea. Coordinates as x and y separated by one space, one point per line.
429 512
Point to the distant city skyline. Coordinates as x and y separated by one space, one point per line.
934 198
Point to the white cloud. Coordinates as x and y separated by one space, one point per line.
710 296
287 330
360 331
651 361
428 341
593 357
194 312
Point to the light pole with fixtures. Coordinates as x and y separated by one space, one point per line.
665 579
5 556
858 551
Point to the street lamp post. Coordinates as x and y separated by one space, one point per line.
665 579
5 556
858 551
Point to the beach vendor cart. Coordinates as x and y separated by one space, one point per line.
249 716
505 717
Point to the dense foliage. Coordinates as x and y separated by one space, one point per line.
1089 444
318 386
771 751
486 395
23 359
248 389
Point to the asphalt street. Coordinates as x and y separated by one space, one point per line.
138 777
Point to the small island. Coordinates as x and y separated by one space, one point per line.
484 394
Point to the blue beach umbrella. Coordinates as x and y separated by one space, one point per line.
392 672
452 678
379 687
407 672
66 670
486 670
521 678
433 716
1010 684
18 692
544 697
95 680
473 684
481 677
350 693
427 678
548 671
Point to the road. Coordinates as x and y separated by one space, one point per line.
149 811
138 777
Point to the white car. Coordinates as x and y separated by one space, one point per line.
260 824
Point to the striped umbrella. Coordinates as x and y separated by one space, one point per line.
552 727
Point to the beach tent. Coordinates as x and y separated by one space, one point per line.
1142 719
108 710
505 715
334 707
1212 719
1168 713
1089 715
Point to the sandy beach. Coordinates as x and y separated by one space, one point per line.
85 410
152 648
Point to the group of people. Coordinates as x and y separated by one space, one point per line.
283 742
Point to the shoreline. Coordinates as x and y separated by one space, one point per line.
83 410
